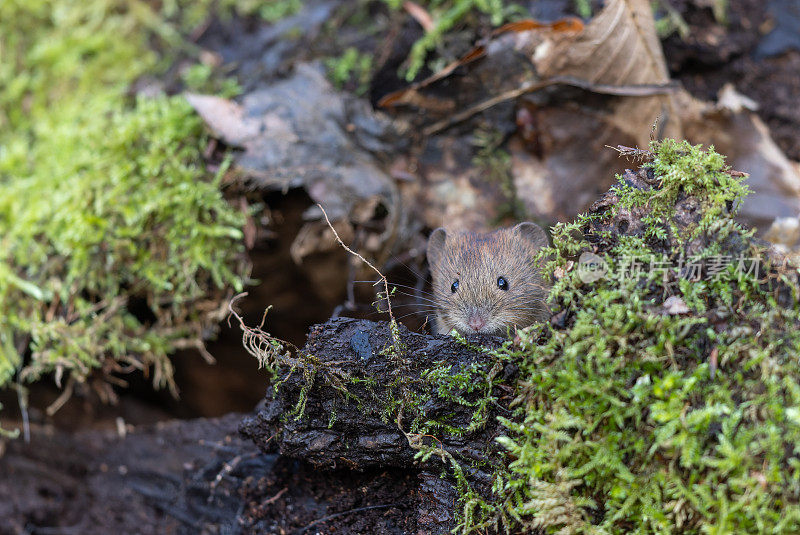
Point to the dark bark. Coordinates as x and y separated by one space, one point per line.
348 422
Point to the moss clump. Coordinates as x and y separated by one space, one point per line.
130 217
354 65
638 417
681 169
116 244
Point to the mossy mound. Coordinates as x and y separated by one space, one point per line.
666 396
116 244
662 396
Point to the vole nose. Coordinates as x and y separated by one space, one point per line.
476 322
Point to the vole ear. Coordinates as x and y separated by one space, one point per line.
436 245
533 233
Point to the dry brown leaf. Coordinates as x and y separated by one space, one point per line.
784 233
225 118
618 47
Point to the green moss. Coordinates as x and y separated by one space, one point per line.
130 215
117 245
470 386
683 169
633 420
202 78
272 10
583 8
668 20
351 67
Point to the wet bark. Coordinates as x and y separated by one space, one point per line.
348 421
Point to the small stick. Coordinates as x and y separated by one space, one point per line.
62 399
277 496
632 152
367 262
421 15
641 90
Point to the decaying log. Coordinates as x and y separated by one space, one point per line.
372 402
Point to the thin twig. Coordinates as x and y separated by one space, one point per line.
277 496
259 343
367 262
62 399
643 90
638 155
421 15
227 468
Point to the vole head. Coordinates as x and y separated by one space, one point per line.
488 283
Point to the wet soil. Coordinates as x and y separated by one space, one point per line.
186 477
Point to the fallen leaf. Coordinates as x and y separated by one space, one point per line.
300 132
784 231
620 46
225 118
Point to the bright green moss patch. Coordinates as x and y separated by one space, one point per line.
637 418
683 169
116 244
130 216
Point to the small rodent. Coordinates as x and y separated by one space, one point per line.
488 283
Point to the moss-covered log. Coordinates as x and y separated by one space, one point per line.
365 395
367 405
662 395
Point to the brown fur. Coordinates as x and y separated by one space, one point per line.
476 261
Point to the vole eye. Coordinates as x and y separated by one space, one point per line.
502 283
454 286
